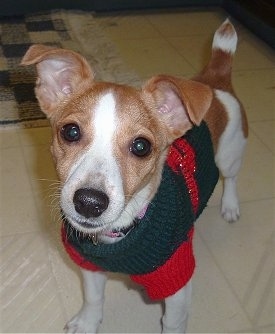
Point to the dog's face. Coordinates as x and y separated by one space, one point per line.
108 150
110 141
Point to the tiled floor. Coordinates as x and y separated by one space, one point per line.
234 281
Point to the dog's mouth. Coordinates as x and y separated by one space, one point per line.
99 233
103 235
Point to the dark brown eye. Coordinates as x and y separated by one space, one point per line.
71 132
140 147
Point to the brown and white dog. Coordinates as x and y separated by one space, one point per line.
110 144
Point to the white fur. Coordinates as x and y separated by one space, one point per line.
133 208
88 319
229 154
177 309
225 41
97 169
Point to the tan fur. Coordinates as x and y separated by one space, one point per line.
137 120
217 74
71 94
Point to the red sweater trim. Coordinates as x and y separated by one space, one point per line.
75 256
182 159
161 283
172 275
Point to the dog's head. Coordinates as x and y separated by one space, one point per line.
110 141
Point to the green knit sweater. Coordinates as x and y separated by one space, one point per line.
188 180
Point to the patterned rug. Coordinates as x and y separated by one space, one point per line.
74 30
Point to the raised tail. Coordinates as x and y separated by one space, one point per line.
225 38
217 72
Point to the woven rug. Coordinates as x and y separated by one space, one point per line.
74 30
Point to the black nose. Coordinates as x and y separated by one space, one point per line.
90 202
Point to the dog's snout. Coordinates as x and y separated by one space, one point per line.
90 202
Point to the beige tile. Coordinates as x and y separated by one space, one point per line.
244 253
250 55
66 273
265 131
215 199
35 136
40 168
17 207
267 329
127 27
9 138
48 207
152 56
256 91
195 49
29 298
184 23
19 214
256 177
215 308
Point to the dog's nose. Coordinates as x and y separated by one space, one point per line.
90 202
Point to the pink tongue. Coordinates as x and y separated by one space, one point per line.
111 234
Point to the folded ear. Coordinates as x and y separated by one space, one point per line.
60 73
181 103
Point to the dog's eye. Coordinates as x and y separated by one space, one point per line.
141 147
71 132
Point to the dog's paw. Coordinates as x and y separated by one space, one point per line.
79 325
84 322
230 212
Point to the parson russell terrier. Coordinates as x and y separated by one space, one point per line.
137 167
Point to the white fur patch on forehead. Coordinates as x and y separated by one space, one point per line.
105 120
104 126
98 168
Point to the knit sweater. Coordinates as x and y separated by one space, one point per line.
158 252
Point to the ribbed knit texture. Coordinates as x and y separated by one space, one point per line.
159 249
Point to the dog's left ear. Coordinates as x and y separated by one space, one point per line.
180 103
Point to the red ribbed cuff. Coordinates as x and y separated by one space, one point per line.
172 275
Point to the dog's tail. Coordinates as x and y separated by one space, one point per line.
217 73
225 39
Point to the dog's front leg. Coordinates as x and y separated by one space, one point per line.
176 310
88 319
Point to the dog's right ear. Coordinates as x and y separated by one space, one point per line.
60 73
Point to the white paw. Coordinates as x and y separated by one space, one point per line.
230 209
231 215
84 322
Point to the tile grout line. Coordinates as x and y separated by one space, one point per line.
251 321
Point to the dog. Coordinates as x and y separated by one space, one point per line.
137 167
